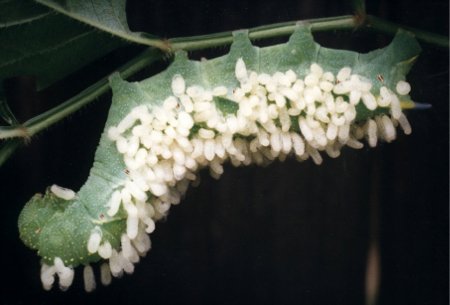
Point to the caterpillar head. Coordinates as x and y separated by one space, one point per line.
37 213
56 224
51 224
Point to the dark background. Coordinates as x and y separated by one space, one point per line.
289 233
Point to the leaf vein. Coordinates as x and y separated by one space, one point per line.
127 35
25 20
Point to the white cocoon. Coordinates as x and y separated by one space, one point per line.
89 279
105 274
105 250
61 192
94 241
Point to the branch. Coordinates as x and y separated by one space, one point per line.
317 25
50 117
388 27
267 31
118 27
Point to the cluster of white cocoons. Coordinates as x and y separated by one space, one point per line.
65 275
163 147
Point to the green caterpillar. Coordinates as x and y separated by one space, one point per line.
253 105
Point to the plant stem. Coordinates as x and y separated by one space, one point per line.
50 117
359 7
388 27
59 112
140 38
267 31
8 148
317 25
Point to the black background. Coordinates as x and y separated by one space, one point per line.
289 233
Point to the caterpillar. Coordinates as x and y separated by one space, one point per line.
250 106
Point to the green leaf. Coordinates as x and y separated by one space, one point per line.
108 16
36 41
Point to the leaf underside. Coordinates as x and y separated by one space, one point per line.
49 45
40 42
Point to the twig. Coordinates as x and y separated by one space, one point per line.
267 31
388 27
50 117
